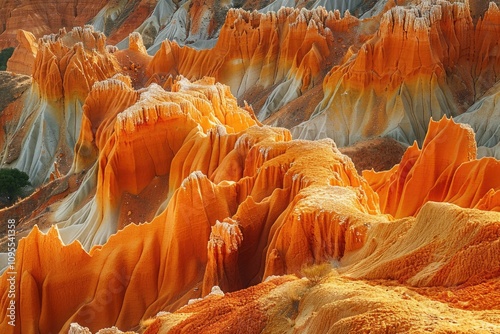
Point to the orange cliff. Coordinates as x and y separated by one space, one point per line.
125 131
444 170
446 255
306 220
64 71
225 203
65 67
281 54
42 17
444 54
23 57
447 252
196 23
450 251
267 189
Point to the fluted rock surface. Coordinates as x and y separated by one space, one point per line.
129 141
444 170
425 61
198 23
42 17
65 67
242 203
171 208
277 59
276 56
117 19
266 190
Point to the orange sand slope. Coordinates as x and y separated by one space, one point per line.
322 303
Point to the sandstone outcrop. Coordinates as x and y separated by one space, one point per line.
166 204
42 17
265 183
444 71
249 56
125 131
444 170
23 58
65 67
252 198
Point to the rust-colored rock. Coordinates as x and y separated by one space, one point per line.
65 67
250 58
171 208
444 170
23 58
222 264
443 72
42 17
267 189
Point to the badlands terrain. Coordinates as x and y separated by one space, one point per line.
251 166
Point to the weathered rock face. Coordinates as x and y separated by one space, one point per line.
220 167
167 190
130 150
42 17
198 23
431 174
430 261
424 61
272 58
117 19
257 204
23 58
487 133
65 66
277 61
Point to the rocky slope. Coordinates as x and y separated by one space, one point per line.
168 200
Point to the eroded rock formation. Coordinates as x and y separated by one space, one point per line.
443 71
431 174
257 206
65 66
277 56
42 17
167 206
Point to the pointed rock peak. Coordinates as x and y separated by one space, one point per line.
136 43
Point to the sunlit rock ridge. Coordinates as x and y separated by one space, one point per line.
206 167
